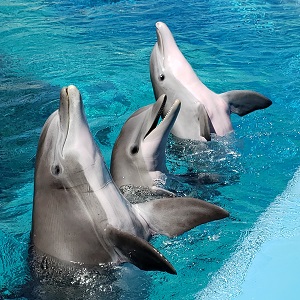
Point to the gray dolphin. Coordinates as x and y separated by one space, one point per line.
138 156
203 111
80 217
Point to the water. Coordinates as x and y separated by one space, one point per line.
103 48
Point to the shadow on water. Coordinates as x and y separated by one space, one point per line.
203 167
25 105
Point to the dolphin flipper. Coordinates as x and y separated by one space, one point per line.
174 216
162 192
243 102
204 122
139 252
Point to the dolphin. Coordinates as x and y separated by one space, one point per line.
139 153
79 215
203 112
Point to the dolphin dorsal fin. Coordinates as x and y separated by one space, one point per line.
243 102
174 216
139 252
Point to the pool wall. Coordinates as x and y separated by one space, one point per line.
266 264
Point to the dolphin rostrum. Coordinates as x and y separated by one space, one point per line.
139 154
202 111
79 215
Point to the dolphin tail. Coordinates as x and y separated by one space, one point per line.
139 252
243 102
174 216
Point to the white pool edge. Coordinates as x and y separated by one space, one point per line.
278 225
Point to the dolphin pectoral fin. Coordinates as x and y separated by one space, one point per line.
204 123
174 216
243 102
162 192
139 252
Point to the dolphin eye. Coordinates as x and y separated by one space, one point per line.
134 149
56 170
161 77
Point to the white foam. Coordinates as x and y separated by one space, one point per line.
267 257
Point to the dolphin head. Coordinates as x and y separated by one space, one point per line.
167 64
159 71
66 145
138 156
171 74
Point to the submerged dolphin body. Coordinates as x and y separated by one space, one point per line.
138 156
203 111
79 215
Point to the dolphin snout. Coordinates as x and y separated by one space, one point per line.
71 91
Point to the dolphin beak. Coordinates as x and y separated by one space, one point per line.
64 113
71 111
71 107
157 109
165 40
163 129
159 38
75 102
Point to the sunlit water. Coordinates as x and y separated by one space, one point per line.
103 48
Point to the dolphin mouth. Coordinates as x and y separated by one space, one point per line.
64 115
163 127
159 115
70 113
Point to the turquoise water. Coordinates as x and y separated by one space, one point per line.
103 48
